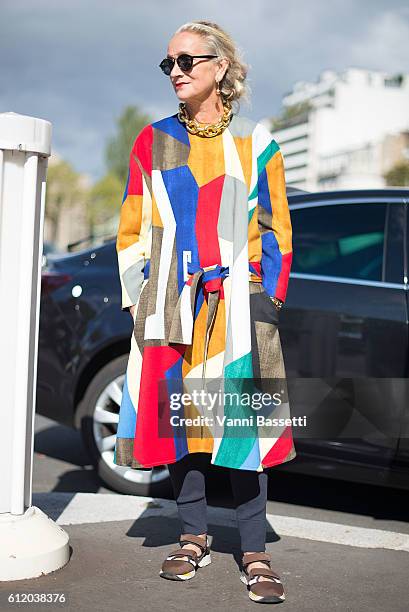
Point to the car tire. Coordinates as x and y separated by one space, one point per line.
97 416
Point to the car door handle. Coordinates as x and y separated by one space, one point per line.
350 319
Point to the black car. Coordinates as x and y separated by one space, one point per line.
344 331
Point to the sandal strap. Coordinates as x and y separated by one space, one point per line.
183 552
268 573
191 538
251 557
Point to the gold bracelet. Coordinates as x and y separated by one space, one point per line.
278 303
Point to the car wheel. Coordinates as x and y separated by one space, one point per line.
98 416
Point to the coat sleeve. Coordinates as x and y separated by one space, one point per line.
135 220
274 222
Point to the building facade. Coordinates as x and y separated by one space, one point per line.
350 129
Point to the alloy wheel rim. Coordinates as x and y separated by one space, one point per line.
105 424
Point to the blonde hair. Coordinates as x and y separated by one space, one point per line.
233 85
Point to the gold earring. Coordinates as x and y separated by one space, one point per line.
218 88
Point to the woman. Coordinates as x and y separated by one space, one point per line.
204 254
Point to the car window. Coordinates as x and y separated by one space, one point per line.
343 240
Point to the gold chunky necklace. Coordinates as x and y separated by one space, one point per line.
207 130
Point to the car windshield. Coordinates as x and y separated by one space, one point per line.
93 240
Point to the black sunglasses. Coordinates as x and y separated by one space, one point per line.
184 61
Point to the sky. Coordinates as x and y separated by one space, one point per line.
79 63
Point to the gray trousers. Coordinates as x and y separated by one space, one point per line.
249 488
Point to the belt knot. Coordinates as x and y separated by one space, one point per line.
212 276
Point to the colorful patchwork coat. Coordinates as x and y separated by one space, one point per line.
204 239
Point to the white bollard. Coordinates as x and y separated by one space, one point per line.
31 544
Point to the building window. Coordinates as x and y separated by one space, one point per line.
394 81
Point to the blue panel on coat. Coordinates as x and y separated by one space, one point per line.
253 459
127 420
263 191
271 259
184 205
172 126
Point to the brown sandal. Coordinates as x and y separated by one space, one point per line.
261 591
175 568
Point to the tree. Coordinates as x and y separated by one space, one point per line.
291 114
118 148
398 175
63 191
103 204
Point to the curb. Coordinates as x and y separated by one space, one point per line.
79 508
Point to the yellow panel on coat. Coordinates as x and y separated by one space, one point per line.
281 218
193 359
254 238
206 158
193 356
156 218
244 150
130 221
